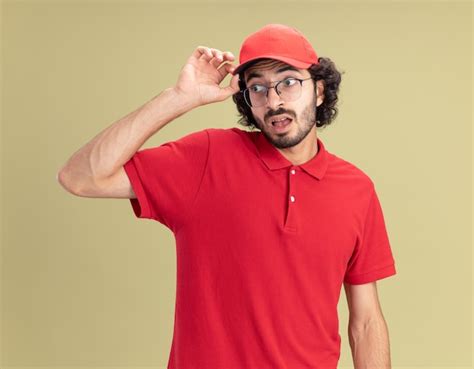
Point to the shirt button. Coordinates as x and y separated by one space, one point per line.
293 171
292 198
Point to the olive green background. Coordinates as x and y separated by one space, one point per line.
86 284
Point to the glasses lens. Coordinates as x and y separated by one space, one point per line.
257 95
289 90
247 98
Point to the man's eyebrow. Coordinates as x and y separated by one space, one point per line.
283 69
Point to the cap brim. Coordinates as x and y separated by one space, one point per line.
287 60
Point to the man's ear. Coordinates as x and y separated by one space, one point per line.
319 92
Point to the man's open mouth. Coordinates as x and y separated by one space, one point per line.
281 122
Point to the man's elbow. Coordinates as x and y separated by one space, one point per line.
360 328
65 183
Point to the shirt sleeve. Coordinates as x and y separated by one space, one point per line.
167 178
372 258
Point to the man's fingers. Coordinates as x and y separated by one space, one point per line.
228 55
217 56
216 62
202 50
229 68
225 69
208 53
222 61
231 89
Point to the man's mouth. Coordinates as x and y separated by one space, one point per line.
280 119
281 124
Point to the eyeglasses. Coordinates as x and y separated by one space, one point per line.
289 89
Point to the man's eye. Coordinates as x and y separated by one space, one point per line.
289 81
257 88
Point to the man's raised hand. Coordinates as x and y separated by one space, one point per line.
200 78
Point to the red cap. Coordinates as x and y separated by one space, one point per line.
277 41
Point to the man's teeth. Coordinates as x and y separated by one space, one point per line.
282 123
280 120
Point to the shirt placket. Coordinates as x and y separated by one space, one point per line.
292 203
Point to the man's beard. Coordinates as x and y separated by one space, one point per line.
303 127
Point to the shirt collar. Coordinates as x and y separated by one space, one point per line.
273 159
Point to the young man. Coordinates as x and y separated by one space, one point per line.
268 224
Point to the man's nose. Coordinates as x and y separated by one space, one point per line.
273 99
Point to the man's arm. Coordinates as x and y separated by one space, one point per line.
368 332
95 170
89 168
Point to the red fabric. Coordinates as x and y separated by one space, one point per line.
280 42
259 276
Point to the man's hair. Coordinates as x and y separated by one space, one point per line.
325 70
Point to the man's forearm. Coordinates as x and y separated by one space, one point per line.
370 345
110 149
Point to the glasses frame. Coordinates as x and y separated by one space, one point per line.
277 83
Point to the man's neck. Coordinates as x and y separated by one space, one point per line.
302 152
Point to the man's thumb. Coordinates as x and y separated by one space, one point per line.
232 88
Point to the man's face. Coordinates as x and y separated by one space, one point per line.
302 111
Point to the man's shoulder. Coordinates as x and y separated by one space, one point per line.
347 170
217 136
230 133
225 137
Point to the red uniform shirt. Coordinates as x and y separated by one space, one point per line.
263 247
